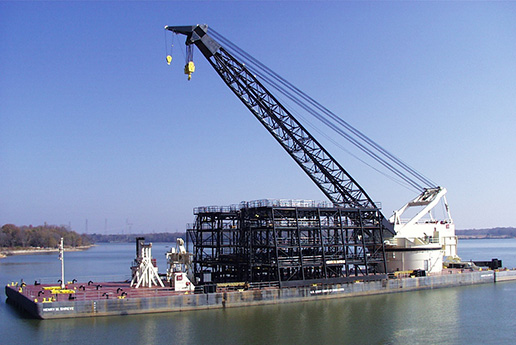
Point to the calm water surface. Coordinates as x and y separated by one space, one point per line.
467 315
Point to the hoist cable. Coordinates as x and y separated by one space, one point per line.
166 44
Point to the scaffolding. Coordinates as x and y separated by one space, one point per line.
286 243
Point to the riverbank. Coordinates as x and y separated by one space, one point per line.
492 233
30 251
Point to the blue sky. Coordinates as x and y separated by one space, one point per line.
95 126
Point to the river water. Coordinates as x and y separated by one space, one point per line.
464 315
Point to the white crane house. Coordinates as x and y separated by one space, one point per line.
422 241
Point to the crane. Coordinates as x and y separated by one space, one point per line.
328 174
403 240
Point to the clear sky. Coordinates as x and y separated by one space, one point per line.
95 127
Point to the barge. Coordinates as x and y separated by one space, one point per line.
104 299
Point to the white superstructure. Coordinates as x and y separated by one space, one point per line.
422 241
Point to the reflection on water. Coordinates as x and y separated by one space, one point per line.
475 314
432 317
428 316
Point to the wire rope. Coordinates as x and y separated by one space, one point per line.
339 145
334 122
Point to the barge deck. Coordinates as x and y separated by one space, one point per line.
103 299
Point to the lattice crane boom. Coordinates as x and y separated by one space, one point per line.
331 178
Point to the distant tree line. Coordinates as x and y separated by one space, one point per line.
42 236
487 233
129 238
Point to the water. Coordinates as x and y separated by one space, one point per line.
465 315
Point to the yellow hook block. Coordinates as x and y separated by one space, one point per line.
169 59
189 69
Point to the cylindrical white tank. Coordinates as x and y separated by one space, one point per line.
428 258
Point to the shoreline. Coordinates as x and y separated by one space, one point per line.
4 252
484 237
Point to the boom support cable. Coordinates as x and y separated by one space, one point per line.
355 142
343 148
361 141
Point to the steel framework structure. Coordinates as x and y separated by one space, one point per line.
288 246
295 245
